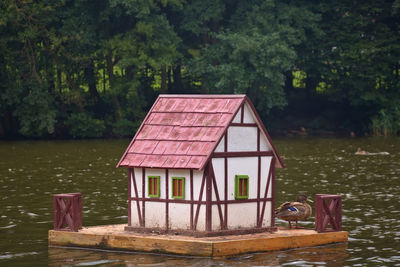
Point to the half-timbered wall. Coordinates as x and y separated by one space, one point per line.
242 136
159 212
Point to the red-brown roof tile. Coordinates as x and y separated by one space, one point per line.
181 131
170 162
182 162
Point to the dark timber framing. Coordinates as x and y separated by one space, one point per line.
241 154
207 174
166 199
258 177
226 182
143 196
129 195
191 199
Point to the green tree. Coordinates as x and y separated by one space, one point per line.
251 49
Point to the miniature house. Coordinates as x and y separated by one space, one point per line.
201 164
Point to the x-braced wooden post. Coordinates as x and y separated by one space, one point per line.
328 213
67 212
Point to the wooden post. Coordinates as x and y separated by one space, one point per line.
67 212
328 211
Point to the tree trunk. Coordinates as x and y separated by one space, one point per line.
72 87
59 80
163 80
2 133
288 82
169 87
110 70
9 123
311 86
129 72
177 75
91 80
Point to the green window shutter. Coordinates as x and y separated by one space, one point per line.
178 187
241 186
153 186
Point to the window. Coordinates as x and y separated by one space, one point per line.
154 186
178 187
241 187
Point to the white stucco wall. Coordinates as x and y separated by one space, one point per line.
138 178
248 115
242 138
179 216
134 212
242 215
134 215
264 144
221 145
201 223
267 215
219 171
197 178
265 166
237 117
242 166
155 214
216 221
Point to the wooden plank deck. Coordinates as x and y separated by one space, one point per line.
114 237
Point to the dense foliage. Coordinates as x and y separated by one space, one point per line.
92 68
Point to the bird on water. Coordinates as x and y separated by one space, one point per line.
295 211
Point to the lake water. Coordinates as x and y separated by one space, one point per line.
31 172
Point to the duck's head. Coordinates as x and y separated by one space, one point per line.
302 198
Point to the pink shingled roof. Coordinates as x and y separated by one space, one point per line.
181 131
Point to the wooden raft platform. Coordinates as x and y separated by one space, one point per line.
114 237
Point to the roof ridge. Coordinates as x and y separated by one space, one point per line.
203 96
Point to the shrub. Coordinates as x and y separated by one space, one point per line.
125 128
386 122
82 125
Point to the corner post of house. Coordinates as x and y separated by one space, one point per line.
143 196
273 192
129 196
226 182
166 199
207 173
191 201
258 178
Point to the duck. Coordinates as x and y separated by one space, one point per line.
361 152
295 211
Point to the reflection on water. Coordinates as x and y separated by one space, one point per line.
31 172
330 254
